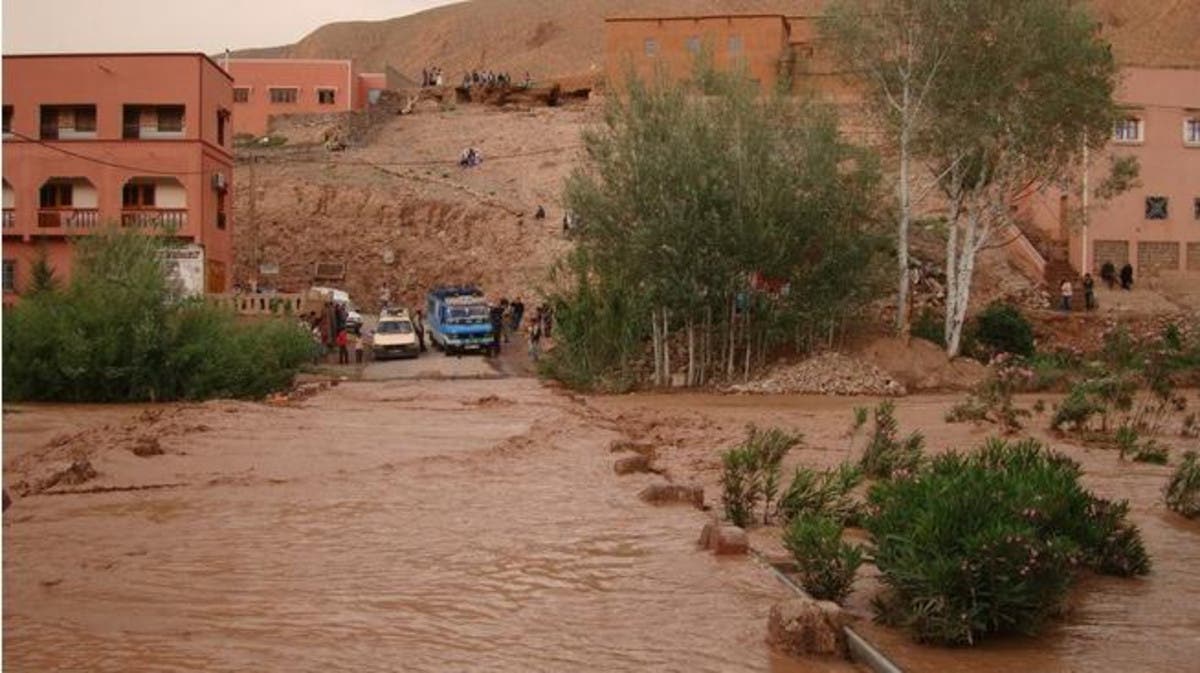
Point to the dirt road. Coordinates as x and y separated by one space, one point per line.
405 525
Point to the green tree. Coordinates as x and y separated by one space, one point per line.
1011 94
41 275
687 192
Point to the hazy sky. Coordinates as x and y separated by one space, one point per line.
32 26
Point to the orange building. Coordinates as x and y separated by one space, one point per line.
265 87
132 140
1154 227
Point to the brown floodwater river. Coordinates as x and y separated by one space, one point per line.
417 526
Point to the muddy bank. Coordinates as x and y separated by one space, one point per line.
414 525
1139 625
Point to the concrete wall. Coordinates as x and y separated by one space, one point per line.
258 76
101 166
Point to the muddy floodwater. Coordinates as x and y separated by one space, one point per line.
418 526
455 525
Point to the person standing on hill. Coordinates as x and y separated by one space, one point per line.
1065 290
1089 292
1127 276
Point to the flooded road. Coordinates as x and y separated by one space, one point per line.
456 525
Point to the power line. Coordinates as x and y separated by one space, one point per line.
103 162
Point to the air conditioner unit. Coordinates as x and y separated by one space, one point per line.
219 183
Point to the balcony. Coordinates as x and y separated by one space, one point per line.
173 219
10 218
71 219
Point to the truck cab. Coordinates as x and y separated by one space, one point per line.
458 319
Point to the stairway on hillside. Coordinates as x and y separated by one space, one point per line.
1055 252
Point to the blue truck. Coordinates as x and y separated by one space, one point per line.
458 319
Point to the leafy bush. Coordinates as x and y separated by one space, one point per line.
1152 452
751 472
824 493
1182 493
992 400
827 564
1002 328
990 542
930 327
119 332
885 454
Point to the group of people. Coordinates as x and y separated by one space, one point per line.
330 329
489 79
507 318
1108 273
470 157
431 77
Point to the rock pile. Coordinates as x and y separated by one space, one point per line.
804 627
825 374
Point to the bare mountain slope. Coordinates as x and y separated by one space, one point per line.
557 38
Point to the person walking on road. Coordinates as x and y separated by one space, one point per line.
419 326
497 320
535 340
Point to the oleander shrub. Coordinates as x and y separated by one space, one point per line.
990 542
822 493
886 453
1182 493
751 473
1002 328
826 563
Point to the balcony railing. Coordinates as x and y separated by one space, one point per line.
68 218
156 218
10 218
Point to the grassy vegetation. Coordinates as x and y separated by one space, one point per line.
751 473
886 454
1182 493
120 332
826 563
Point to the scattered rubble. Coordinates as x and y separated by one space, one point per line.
724 539
673 494
632 464
145 447
824 374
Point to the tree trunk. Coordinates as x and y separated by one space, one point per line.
956 310
691 365
732 336
666 332
657 348
903 319
749 340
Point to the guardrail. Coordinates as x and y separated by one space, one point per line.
158 218
259 304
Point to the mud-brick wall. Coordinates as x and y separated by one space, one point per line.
1156 256
1116 252
1193 257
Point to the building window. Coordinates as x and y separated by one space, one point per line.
1128 130
651 47
1196 207
241 94
284 94
220 210
1156 207
1191 130
8 112
735 44
326 96
55 195
170 118
222 123
152 121
135 196
10 275
693 44
60 122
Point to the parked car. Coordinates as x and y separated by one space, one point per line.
394 337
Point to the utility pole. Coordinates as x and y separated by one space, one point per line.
251 211
1083 252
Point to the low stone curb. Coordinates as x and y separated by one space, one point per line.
861 650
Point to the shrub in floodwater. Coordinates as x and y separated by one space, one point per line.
1182 493
826 564
826 493
751 472
886 454
990 542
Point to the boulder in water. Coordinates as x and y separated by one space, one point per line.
804 627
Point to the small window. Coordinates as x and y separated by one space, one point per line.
1196 207
651 46
220 210
326 96
10 275
85 118
222 123
170 118
1191 130
1128 130
735 44
135 196
241 94
1156 207
693 44
284 95
8 112
55 195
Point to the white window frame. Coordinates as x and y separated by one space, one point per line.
1191 119
650 47
1139 127
693 44
248 89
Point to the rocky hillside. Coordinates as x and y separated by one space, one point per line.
564 38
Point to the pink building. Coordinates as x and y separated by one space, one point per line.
264 87
132 140
1155 227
